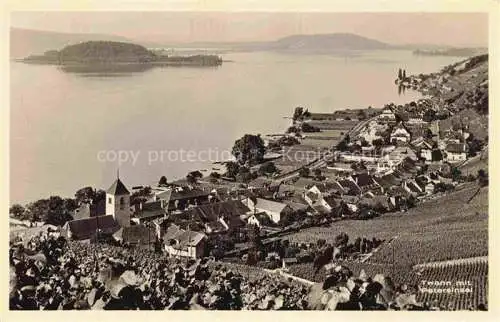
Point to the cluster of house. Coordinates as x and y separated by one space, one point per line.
431 143
182 218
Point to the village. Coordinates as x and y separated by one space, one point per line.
348 165
366 162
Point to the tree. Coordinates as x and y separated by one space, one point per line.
250 148
400 74
404 73
268 168
308 128
245 175
304 172
232 169
162 181
378 143
361 115
193 177
428 134
317 173
17 211
341 239
456 174
140 196
482 178
215 175
85 194
429 115
55 210
293 129
475 146
436 155
298 113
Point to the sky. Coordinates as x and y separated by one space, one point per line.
453 29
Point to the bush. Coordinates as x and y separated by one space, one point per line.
308 128
268 168
304 172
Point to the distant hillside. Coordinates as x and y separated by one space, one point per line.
298 43
24 42
326 42
457 52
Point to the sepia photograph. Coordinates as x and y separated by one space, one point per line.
248 160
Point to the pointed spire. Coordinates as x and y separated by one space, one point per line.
118 173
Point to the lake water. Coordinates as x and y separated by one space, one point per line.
61 122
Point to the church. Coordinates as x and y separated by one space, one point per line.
117 215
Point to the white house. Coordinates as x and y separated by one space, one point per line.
456 152
181 243
260 219
317 199
425 147
274 209
400 134
387 115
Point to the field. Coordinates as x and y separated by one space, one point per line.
297 156
440 229
473 165
334 125
320 143
474 275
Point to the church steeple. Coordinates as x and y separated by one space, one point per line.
118 202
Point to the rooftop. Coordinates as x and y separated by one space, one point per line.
118 188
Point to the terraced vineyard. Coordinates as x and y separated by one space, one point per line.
440 229
447 228
420 248
471 277
467 282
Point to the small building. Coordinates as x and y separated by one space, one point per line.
148 211
274 209
413 187
86 228
387 116
183 243
260 219
425 148
89 209
430 187
137 235
415 118
389 180
456 152
184 196
366 183
400 134
349 187
217 217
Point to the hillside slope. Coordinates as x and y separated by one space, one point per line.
327 42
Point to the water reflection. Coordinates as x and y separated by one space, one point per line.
401 89
119 70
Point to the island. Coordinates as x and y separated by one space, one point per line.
115 56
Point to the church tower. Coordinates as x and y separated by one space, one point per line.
118 203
